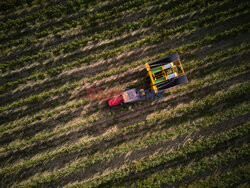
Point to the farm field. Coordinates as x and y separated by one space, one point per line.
53 53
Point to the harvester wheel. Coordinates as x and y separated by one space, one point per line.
181 80
174 57
164 60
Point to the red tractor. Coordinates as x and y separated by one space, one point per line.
128 96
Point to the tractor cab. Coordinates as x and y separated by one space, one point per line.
130 96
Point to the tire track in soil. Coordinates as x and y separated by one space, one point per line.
186 180
10 137
52 44
221 147
224 64
57 81
15 36
79 53
19 14
110 121
26 72
60 161
134 17
85 32
34 129
118 161
201 175
29 107
55 61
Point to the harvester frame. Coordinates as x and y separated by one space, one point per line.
166 72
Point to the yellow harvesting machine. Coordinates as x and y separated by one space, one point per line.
165 73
